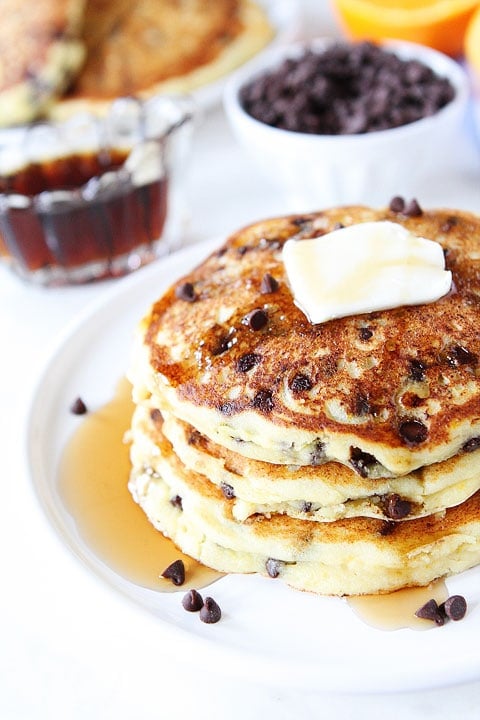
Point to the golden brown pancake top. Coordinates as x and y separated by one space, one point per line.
417 374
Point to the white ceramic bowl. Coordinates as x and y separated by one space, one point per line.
314 171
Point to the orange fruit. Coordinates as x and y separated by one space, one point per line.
440 24
472 44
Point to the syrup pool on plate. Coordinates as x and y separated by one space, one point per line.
93 483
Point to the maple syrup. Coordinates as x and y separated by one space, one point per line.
93 483
49 221
396 610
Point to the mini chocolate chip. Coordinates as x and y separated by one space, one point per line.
186 292
273 567
449 223
365 333
471 445
248 361
459 355
256 319
361 461
78 407
454 607
192 601
210 611
176 501
417 370
396 507
387 527
413 209
156 416
300 383
306 506
227 490
227 408
362 405
318 453
263 401
268 284
175 572
242 250
397 204
431 611
413 431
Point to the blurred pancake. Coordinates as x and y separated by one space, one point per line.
148 47
383 393
40 52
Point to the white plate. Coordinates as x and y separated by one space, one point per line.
268 631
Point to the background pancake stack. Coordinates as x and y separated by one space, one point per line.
342 457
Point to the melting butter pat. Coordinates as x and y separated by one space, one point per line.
362 268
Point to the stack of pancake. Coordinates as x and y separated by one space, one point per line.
342 457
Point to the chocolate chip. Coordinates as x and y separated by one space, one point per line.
417 370
263 401
256 319
210 612
186 292
227 490
431 611
362 405
175 572
306 506
387 528
413 431
227 408
338 226
459 355
273 567
361 461
449 223
317 456
176 501
397 204
78 407
471 445
194 437
300 383
248 361
192 601
365 333
413 209
156 416
268 284
396 507
454 607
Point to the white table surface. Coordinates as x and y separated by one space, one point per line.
69 647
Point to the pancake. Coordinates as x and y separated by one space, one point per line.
318 492
346 557
151 47
41 52
383 393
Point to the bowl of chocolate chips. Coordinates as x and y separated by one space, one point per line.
332 122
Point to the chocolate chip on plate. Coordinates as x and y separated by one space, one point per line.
192 601
454 607
175 572
78 407
210 612
431 611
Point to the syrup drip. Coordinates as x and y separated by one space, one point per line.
93 483
396 610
